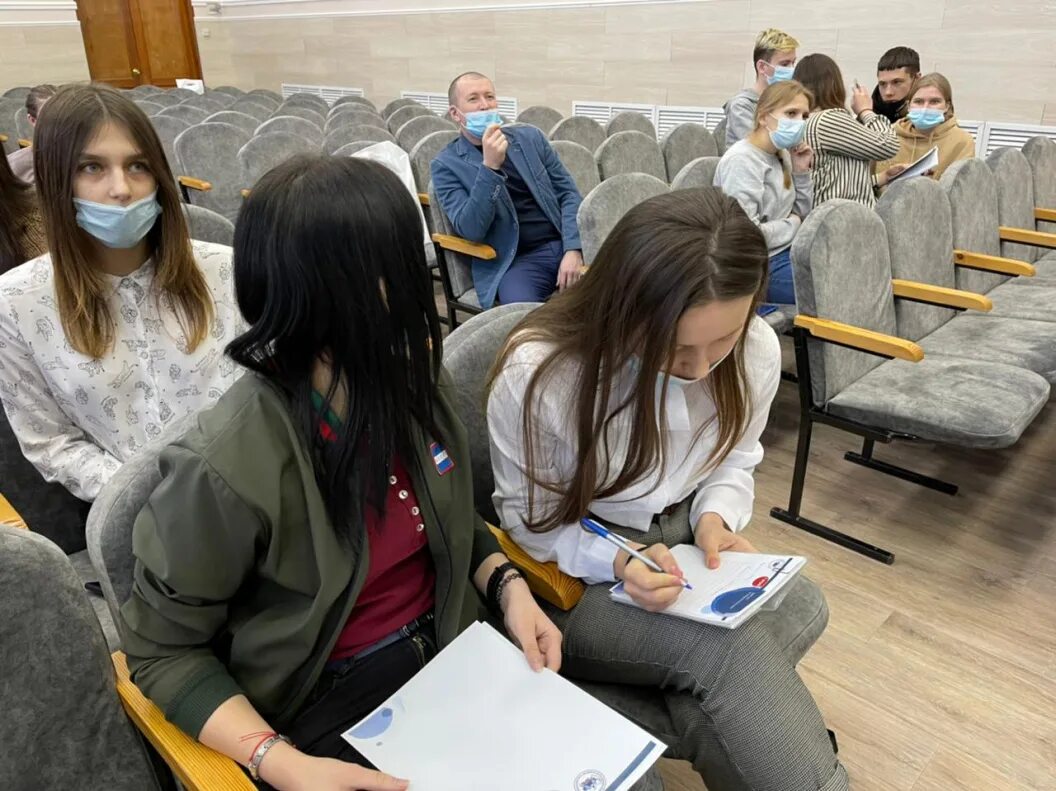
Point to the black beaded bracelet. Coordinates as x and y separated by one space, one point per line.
497 581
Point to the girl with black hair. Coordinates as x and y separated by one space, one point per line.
313 540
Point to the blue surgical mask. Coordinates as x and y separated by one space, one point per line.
477 123
789 132
120 227
781 74
926 118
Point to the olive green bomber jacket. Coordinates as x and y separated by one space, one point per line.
241 584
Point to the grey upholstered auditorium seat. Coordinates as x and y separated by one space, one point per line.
630 121
630 152
580 164
685 143
579 129
608 202
697 173
540 116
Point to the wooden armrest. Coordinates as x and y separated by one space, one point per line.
457 244
938 295
3 137
1049 215
545 580
9 516
23 143
195 184
866 340
197 767
423 198
245 193
1027 236
993 263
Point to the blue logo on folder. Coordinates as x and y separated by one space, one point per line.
443 462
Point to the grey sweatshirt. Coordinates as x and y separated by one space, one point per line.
740 115
756 180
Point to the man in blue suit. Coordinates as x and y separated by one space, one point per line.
505 187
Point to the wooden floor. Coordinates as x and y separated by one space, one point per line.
939 672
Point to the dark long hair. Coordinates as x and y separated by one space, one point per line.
16 206
329 266
666 255
820 75
66 126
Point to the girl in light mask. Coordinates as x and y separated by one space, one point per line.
639 398
931 123
119 330
769 175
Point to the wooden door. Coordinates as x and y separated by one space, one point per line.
109 42
167 44
139 42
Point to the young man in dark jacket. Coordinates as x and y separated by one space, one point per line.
895 73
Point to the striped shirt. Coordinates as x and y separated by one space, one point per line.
844 151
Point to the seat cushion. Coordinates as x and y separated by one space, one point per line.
1037 302
946 399
1020 342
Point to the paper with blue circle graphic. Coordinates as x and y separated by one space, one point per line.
744 583
477 718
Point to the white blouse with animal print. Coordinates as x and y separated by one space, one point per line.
78 419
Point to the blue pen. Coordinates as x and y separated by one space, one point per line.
621 542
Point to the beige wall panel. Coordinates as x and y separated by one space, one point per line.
714 16
839 14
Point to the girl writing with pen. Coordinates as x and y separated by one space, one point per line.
638 399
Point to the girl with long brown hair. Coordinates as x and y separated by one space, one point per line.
846 143
639 398
119 329
768 174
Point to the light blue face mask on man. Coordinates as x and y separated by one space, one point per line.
926 118
789 132
477 122
120 227
781 74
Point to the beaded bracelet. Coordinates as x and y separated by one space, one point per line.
497 582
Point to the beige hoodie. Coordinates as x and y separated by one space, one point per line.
953 143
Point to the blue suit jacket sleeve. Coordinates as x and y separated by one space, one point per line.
566 192
471 212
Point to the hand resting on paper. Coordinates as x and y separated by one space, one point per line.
530 628
713 537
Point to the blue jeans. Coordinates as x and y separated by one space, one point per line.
780 290
532 277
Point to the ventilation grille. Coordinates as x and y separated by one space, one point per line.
999 135
662 117
331 93
437 102
667 118
603 112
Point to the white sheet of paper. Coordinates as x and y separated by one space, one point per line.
744 583
477 718
920 167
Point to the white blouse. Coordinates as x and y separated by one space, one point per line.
78 419
727 490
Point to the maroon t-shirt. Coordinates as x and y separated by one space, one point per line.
401 581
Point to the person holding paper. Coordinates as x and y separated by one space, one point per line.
768 173
638 398
312 542
930 123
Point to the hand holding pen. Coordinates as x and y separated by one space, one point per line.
651 575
